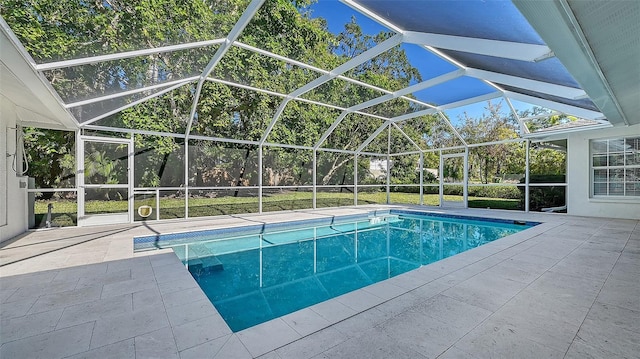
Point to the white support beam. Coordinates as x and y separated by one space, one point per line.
125 55
372 102
372 15
330 130
246 87
406 136
372 137
523 128
279 57
159 93
364 84
533 85
388 171
309 67
445 57
431 82
371 154
132 130
526 176
235 32
360 59
277 94
397 154
16 43
505 49
284 145
276 115
493 85
453 128
431 150
131 92
430 111
314 179
469 101
368 55
409 116
568 109
311 85
562 132
214 139
335 150
411 89
388 94
223 140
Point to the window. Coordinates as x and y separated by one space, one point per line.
615 166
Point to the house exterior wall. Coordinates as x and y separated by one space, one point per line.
13 198
579 200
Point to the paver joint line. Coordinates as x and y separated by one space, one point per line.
581 237
594 300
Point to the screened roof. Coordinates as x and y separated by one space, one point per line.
216 61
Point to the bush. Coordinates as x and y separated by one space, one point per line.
412 189
544 197
453 190
507 192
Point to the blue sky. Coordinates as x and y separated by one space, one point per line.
429 64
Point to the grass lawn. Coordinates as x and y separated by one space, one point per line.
65 212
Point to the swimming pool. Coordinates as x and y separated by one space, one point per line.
257 273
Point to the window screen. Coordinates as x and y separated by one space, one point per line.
615 166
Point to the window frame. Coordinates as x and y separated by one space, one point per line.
615 175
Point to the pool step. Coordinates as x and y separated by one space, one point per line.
201 260
388 218
205 265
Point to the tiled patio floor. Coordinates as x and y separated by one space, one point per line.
568 288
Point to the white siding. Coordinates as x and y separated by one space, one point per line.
13 199
579 201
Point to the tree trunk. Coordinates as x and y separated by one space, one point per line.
242 171
334 168
165 158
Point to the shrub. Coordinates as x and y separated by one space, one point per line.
508 192
543 197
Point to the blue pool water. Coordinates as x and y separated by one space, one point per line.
255 277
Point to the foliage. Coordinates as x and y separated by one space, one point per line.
54 30
405 169
507 192
488 162
545 161
65 212
541 121
545 196
51 158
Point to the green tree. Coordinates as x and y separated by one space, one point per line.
54 30
51 158
546 159
486 163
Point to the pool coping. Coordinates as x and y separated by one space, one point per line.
276 333
192 328
264 228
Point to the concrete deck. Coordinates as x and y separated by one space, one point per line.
568 288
